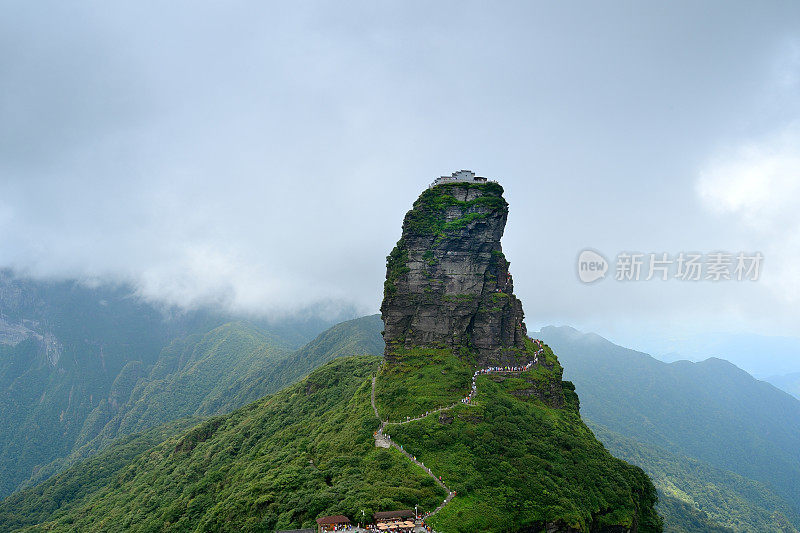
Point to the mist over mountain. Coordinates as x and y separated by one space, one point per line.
54 328
196 204
190 155
320 446
82 365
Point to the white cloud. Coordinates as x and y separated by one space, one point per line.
758 181
756 187
262 157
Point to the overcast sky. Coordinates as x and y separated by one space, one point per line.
262 155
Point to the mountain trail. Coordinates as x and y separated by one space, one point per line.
382 440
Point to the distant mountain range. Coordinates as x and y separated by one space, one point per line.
787 382
205 375
759 355
731 428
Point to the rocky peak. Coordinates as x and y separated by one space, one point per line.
447 280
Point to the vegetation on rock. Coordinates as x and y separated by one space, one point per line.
518 455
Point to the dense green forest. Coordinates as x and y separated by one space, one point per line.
308 450
214 373
514 460
276 463
207 367
81 366
193 376
724 444
63 492
72 344
695 496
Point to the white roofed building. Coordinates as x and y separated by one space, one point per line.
467 176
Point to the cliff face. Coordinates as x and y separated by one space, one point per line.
447 281
515 450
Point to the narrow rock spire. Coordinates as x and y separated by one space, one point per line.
447 280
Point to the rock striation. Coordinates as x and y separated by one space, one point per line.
448 283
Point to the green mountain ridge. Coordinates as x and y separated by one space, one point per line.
61 493
191 377
209 374
739 431
308 450
68 346
81 365
787 382
695 496
276 463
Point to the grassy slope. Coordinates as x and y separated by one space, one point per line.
360 336
420 381
514 461
280 462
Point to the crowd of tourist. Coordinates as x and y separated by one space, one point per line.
491 369
379 434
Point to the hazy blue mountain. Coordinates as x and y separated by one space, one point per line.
710 411
759 355
787 382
